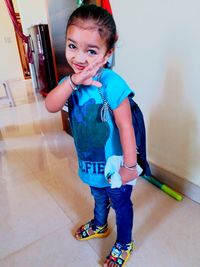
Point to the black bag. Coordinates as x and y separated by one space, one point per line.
140 136
139 128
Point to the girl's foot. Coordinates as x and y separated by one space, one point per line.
89 230
119 255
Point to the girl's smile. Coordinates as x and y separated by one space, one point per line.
83 46
78 66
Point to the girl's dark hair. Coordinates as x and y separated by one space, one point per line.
100 17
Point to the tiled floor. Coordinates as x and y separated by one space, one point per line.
42 200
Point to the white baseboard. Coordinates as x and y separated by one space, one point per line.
177 183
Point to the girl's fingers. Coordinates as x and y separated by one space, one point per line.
85 77
96 64
96 83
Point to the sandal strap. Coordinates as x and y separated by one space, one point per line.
117 253
87 226
89 229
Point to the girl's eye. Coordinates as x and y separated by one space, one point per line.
92 52
71 46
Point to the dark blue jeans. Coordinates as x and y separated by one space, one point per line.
120 200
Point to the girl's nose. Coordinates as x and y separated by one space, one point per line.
80 57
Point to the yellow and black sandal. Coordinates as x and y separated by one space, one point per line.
119 255
89 230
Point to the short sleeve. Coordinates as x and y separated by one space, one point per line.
115 89
62 80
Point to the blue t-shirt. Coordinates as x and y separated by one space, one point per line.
96 140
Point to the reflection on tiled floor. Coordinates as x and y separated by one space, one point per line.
42 200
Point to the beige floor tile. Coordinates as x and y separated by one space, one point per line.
15 178
27 213
58 249
11 164
166 232
68 191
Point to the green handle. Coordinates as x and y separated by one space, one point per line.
171 192
153 181
163 187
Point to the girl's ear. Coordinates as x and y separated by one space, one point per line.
109 53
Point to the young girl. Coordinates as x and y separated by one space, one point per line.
90 40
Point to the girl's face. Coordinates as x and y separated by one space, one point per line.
83 46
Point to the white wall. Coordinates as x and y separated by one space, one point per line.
32 12
10 67
15 6
158 53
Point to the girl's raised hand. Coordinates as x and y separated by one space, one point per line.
85 77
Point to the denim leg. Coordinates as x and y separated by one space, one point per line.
102 205
122 204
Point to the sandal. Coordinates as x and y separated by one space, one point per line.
119 255
89 230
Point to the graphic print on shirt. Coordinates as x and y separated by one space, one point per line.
90 135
